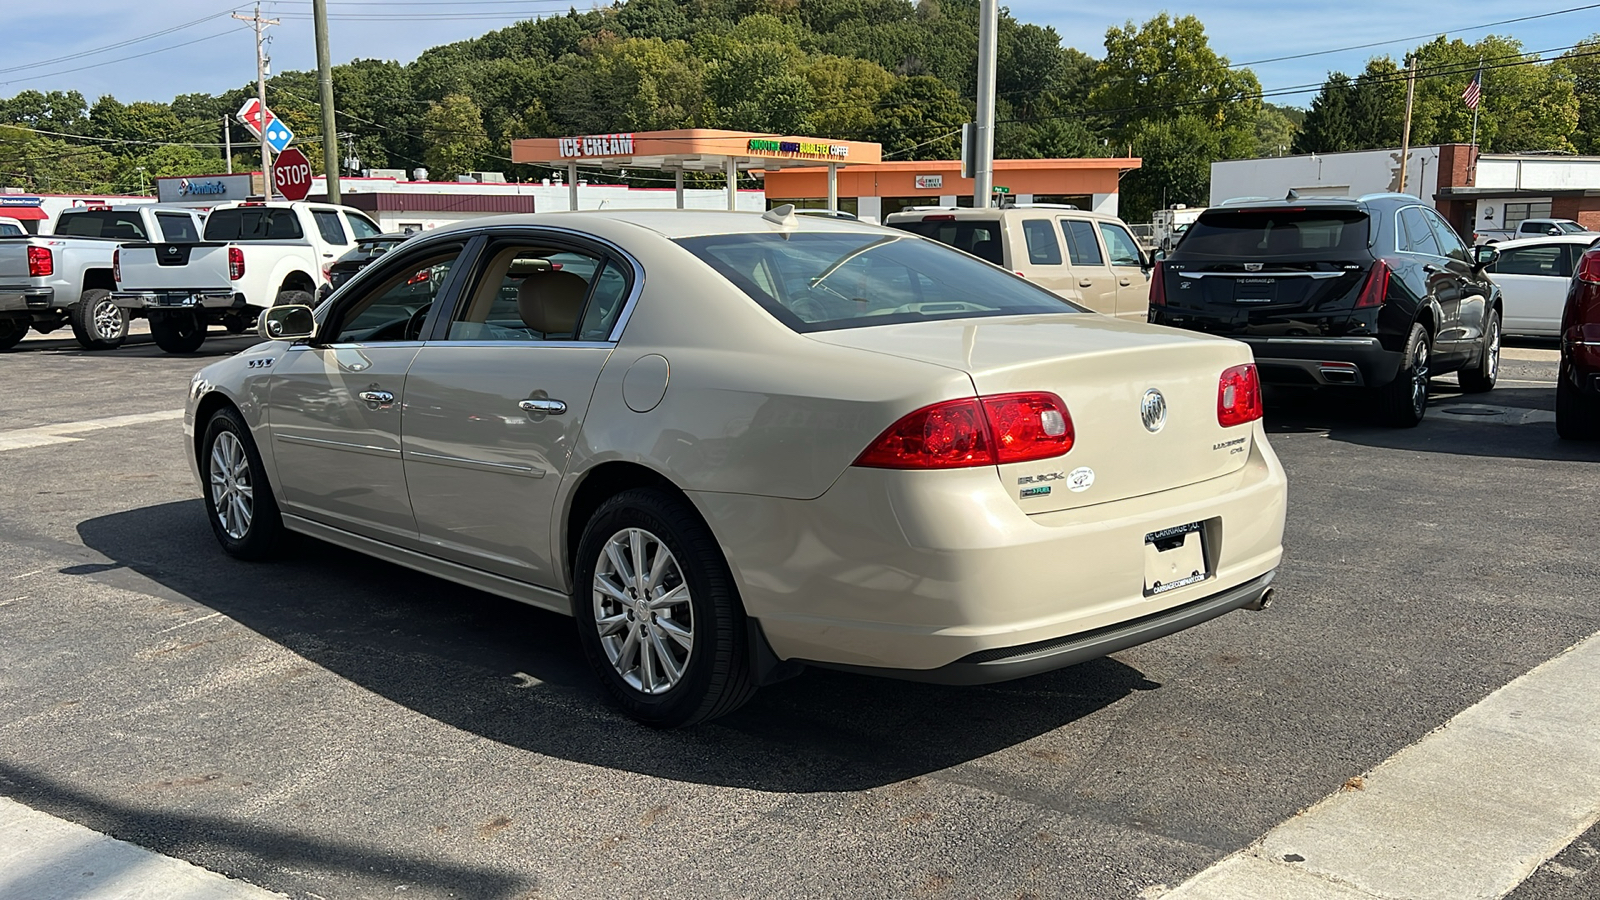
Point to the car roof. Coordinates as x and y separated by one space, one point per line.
669 223
917 213
1586 238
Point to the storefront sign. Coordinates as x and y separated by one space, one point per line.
929 182
797 148
207 190
597 145
16 200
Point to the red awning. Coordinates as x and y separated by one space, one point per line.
23 213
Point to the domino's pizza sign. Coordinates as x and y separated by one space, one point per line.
203 190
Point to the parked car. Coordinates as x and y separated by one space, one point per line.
366 250
254 255
66 277
10 227
1578 378
872 453
1486 234
1533 275
1376 293
1101 266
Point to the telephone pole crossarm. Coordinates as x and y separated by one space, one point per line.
261 92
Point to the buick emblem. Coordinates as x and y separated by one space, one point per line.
1153 410
1252 267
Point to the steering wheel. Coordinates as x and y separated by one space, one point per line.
414 324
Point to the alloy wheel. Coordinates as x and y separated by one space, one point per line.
107 320
1494 347
1419 377
643 612
232 494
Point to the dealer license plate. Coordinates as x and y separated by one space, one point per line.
1174 558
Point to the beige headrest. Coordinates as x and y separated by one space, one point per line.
549 302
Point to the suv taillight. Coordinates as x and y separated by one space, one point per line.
986 431
1376 288
116 265
1239 396
1589 267
235 263
1158 285
41 262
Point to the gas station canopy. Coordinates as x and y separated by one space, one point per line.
696 150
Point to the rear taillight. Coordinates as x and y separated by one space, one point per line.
116 265
1006 428
1589 267
1238 396
235 263
1376 288
41 262
1158 286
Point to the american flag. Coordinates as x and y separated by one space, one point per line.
1474 91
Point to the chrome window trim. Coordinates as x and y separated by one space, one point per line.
1397 226
1334 341
592 345
634 290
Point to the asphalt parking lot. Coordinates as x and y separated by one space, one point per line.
333 727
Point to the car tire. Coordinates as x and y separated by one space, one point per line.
1404 401
1482 376
178 331
12 331
236 322
294 298
1577 414
239 503
97 322
667 665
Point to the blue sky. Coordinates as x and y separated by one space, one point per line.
217 53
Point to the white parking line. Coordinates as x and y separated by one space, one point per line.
45 435
46 858
1470 811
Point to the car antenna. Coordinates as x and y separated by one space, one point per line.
782 216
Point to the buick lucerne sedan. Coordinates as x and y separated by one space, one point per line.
732 445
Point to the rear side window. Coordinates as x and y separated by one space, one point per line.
102 223
253 223
1043 250
981 239
1417 236
329 227
1544 259
177 228
1291 234
1081 243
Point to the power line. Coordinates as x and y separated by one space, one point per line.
209 37
117 46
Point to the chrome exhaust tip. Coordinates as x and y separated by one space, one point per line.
1261 602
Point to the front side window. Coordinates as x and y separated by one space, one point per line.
1120 244
540 293
395 306
831 280
1043 250
1082 246
362 227
1543 259
1449 243
328 226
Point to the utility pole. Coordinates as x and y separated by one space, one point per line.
983 169
330 140
227 143
1405 134
261 93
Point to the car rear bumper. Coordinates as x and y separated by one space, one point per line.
26 298
926 571
1324 361
1581 352
176 298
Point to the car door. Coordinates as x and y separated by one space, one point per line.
334 240
1127 263
334 405
1091 275
1472 287
1443 287
496 402
1533 286
1043 264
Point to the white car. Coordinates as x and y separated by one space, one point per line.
1533 274
732 445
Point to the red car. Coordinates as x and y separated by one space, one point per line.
1578 385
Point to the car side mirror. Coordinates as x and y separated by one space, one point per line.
287 323
1552 231
1484 256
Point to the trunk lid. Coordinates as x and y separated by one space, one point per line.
1102 368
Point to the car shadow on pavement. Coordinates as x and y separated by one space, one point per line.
255 848
515 674
218 343
1508 422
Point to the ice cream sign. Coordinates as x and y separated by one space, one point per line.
597 145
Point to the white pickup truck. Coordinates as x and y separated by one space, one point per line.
65 278
254 255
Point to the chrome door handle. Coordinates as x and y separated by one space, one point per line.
376 396
544 405
1125 282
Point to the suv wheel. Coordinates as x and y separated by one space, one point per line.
1577 414
178 331
239 502
97 322
1481 377
12 331
1403 401
657 612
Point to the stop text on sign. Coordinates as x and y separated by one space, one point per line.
597 145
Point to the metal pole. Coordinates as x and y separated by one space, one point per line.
733 183
983 174
1405 136
1472 168
227 143
677 186
261 95
833 187
330 136
572 185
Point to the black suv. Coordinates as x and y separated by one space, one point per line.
1376 292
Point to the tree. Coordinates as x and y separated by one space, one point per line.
920 118
1580 67
453 131
1524 105
1177 156
1166 68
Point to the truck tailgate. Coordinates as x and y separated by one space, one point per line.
155 267
14 261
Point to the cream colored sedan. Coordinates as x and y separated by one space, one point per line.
732 445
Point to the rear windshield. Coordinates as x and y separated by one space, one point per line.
101 223
828 281
981 239
253 223
1286 234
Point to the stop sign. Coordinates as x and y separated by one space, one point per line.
291 174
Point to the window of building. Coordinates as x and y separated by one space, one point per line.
1516 212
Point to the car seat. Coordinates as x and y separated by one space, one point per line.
550 302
